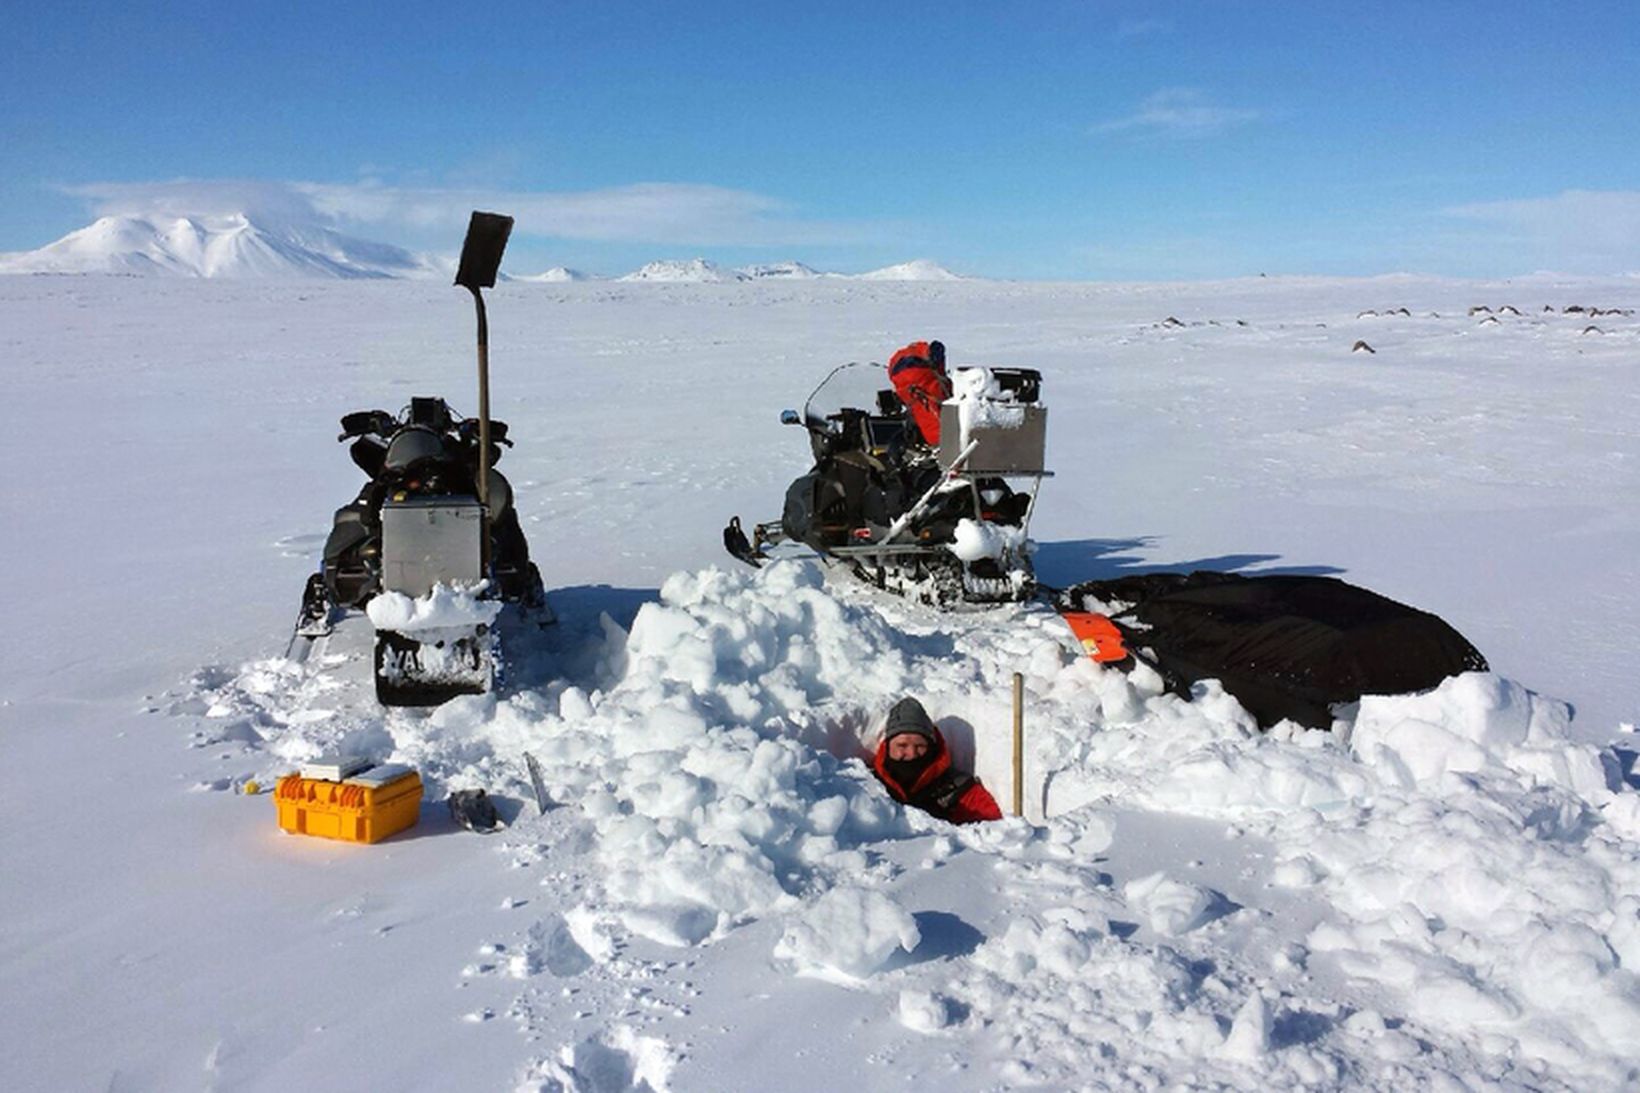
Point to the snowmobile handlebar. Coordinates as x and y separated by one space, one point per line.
383 424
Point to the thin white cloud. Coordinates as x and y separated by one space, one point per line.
647 212
1178 112
269 201
1583 231
1139 28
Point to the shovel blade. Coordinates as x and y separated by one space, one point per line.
481 254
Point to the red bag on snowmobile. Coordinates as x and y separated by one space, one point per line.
918 374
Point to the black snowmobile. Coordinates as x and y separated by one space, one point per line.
943 524
435 514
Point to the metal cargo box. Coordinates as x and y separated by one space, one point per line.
1019 449
430 539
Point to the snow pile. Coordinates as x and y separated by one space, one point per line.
848 934
1465 855
1171 907
976 539
1476 724
620 1062
1068 1000
1470 870
982 403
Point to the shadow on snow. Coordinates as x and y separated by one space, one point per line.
1071 561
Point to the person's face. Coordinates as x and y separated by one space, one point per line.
907 745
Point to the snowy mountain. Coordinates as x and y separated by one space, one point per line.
557 275
230 246
694 270
919 269
246 245
781 271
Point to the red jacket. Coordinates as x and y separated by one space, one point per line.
939 790
922 386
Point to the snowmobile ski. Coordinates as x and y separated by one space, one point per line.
314 620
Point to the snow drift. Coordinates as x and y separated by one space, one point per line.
714 754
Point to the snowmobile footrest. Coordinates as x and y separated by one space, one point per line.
736 543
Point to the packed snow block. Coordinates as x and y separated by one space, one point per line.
1287 647
1171 908
1479 723
364 808
847 935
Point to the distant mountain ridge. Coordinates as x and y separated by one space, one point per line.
230 246
702 271
695 270
242 245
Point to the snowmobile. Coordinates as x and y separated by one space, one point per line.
942 523
431 548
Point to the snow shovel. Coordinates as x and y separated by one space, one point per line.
480 261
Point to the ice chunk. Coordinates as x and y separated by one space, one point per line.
1249 1037
922 1011
1171 907
976 539
847 935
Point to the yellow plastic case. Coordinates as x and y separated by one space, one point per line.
363 809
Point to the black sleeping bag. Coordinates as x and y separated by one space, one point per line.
1285 646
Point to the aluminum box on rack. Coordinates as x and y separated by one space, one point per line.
427 540
1019 448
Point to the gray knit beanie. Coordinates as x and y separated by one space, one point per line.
908 716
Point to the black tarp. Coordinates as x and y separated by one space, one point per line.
1285 646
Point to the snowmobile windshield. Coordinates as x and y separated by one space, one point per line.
851 386
413 445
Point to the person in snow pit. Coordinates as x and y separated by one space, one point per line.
915 766
918 374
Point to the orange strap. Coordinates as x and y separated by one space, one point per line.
1100 637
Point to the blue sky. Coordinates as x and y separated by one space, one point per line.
1030 140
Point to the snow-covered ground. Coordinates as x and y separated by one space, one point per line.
720 897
